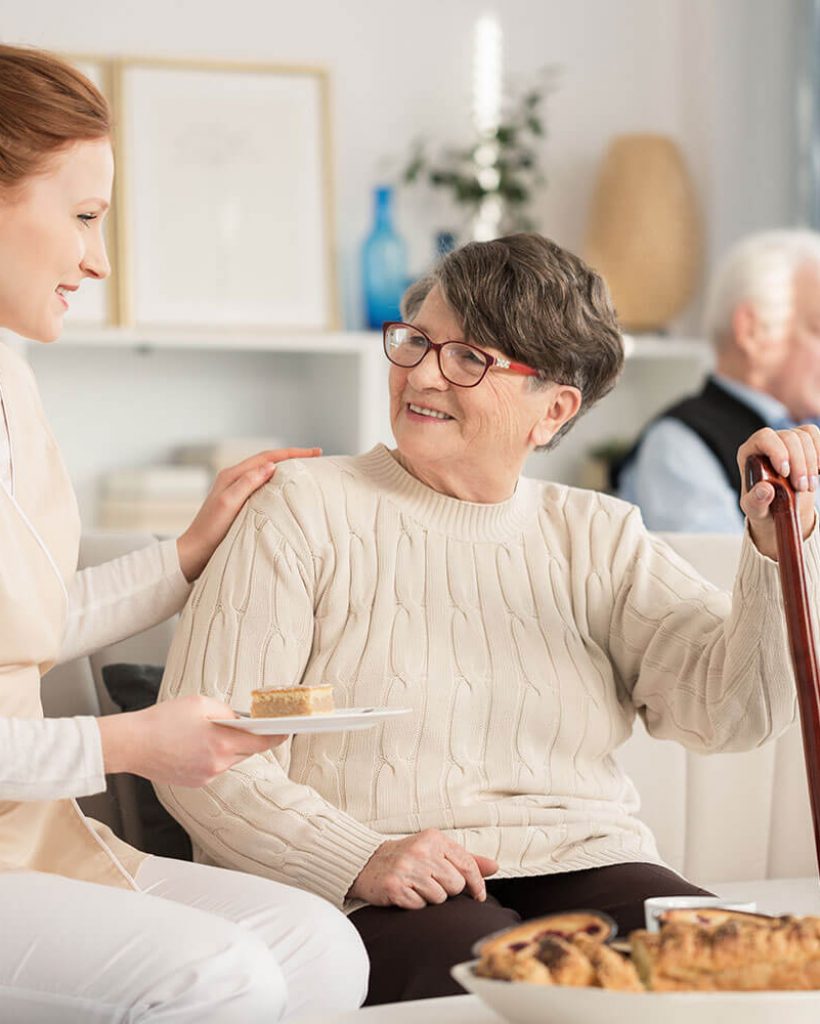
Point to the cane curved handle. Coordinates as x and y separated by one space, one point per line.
785 500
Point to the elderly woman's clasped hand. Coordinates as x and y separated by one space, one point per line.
794 454
420 869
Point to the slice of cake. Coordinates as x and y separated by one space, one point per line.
280 701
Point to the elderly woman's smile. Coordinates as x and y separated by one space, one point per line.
469 442
427 412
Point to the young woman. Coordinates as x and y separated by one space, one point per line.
94 930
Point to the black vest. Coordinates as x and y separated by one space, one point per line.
719 419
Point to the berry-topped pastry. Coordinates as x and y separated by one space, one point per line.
562 949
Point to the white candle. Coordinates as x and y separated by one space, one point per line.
487 75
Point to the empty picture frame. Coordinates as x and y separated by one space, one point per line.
225 195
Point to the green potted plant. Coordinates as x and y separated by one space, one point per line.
503 166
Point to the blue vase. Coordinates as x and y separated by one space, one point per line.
445 243
384 263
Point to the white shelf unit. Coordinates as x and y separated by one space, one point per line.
664 348
131 397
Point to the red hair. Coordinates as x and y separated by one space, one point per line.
45 106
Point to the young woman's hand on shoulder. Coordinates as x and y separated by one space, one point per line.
231 489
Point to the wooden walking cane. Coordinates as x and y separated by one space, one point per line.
798 620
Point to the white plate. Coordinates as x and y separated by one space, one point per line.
523 1003
340 720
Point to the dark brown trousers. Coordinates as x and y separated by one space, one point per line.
412 951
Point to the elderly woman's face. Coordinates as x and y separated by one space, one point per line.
489 428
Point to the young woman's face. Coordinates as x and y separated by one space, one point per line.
51 238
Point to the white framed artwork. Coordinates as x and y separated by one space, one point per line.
224 195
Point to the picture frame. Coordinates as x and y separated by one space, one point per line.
224 209
96 303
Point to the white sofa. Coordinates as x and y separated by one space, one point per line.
727 820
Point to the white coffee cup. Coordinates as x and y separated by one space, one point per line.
656 905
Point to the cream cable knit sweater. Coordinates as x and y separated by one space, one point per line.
525 636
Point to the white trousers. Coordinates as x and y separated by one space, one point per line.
196 944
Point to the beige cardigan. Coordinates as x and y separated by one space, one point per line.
49 612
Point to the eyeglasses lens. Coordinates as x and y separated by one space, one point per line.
404 347
460 364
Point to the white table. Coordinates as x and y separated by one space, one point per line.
450 1010
775 895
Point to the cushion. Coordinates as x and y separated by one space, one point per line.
132 688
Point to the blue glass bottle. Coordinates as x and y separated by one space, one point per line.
384 263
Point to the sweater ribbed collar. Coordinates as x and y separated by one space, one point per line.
463 520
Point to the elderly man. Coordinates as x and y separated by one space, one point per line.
763 318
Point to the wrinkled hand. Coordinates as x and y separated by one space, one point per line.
794 454
424 868
232 488
176 742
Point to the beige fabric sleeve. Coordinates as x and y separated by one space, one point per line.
710 670
122 597
250 624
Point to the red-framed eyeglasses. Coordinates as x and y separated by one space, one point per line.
460 363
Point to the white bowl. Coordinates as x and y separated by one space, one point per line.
523 1003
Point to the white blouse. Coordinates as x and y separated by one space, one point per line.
51 758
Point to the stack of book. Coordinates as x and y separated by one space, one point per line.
158 499
229 451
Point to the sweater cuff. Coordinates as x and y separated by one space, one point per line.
811 555
758 580
757 573
756 570
341 849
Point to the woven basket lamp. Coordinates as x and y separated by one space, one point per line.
644 233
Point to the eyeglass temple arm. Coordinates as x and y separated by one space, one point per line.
507 364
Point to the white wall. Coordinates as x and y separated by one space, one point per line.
716 74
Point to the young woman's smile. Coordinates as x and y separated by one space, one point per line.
51 238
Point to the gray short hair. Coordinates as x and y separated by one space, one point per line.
537 303
759 270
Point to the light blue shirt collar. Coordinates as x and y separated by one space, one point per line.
768 408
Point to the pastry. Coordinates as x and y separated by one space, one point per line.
709 950
741 952
563 926
612 970
711 917
291 700
563 949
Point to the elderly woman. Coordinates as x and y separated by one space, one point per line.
525 623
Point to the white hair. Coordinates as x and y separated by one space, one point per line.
759 270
